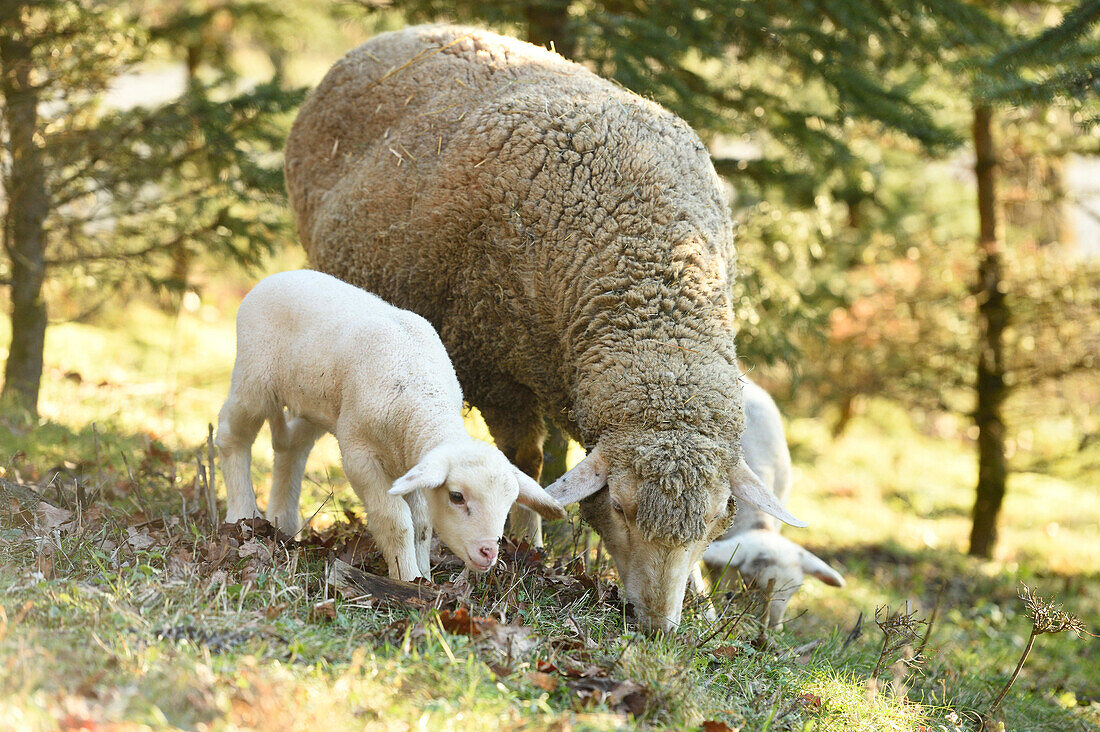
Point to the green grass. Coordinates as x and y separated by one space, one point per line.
141 615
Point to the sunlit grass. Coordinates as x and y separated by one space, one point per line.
888 503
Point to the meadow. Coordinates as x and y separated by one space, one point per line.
124 604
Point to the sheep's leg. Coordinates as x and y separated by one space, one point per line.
422 531
292 440
519 433
237 429
388 517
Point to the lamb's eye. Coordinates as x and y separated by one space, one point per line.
457 498
616 507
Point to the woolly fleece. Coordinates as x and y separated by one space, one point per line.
568 239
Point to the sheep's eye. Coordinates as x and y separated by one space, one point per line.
616 507
457 498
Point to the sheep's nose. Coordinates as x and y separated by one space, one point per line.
487 551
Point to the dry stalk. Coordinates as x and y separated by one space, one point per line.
1046 617
898 630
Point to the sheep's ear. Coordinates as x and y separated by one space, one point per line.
532 495
587 477
750 489
429 473
815 566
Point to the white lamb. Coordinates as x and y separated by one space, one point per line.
341 360
753 546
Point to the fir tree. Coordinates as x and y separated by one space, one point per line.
92 192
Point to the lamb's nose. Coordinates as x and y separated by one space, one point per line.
488 552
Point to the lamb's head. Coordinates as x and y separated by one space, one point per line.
469 486
658 499
770 562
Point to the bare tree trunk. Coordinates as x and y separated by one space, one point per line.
992 318
24 220
847 410
547 23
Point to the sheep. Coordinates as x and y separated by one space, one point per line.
571 243
341 360
752 546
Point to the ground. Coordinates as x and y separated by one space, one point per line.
123 603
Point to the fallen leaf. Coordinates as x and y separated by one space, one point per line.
275 610
544 681
49 517
628 696
713 725
460 622
255 548
44 564
360 551
579 670
139 539
810 701
511 640
324 611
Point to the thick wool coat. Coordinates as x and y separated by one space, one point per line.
569 240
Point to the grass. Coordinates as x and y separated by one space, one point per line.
137 612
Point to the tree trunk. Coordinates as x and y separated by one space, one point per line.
548 23
24 220
554 451
992 318
847 410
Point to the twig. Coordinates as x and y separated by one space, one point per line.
931 621
213 494
135 485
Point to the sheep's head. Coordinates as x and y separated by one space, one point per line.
657 500
469 488
768 561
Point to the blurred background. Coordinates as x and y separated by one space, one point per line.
880 274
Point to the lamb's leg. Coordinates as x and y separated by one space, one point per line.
238 424
519 432
388 517
422 531
292 440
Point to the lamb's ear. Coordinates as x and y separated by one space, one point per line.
429 473
586 477
532 495
815 566
750 489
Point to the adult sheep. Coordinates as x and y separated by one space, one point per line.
570 242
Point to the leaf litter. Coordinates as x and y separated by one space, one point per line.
235 555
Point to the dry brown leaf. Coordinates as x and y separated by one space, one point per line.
323 612
47 517
255 548
139 539
627 696
726 652
810 701
460 622
511 640
544 681
714 725
275 610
